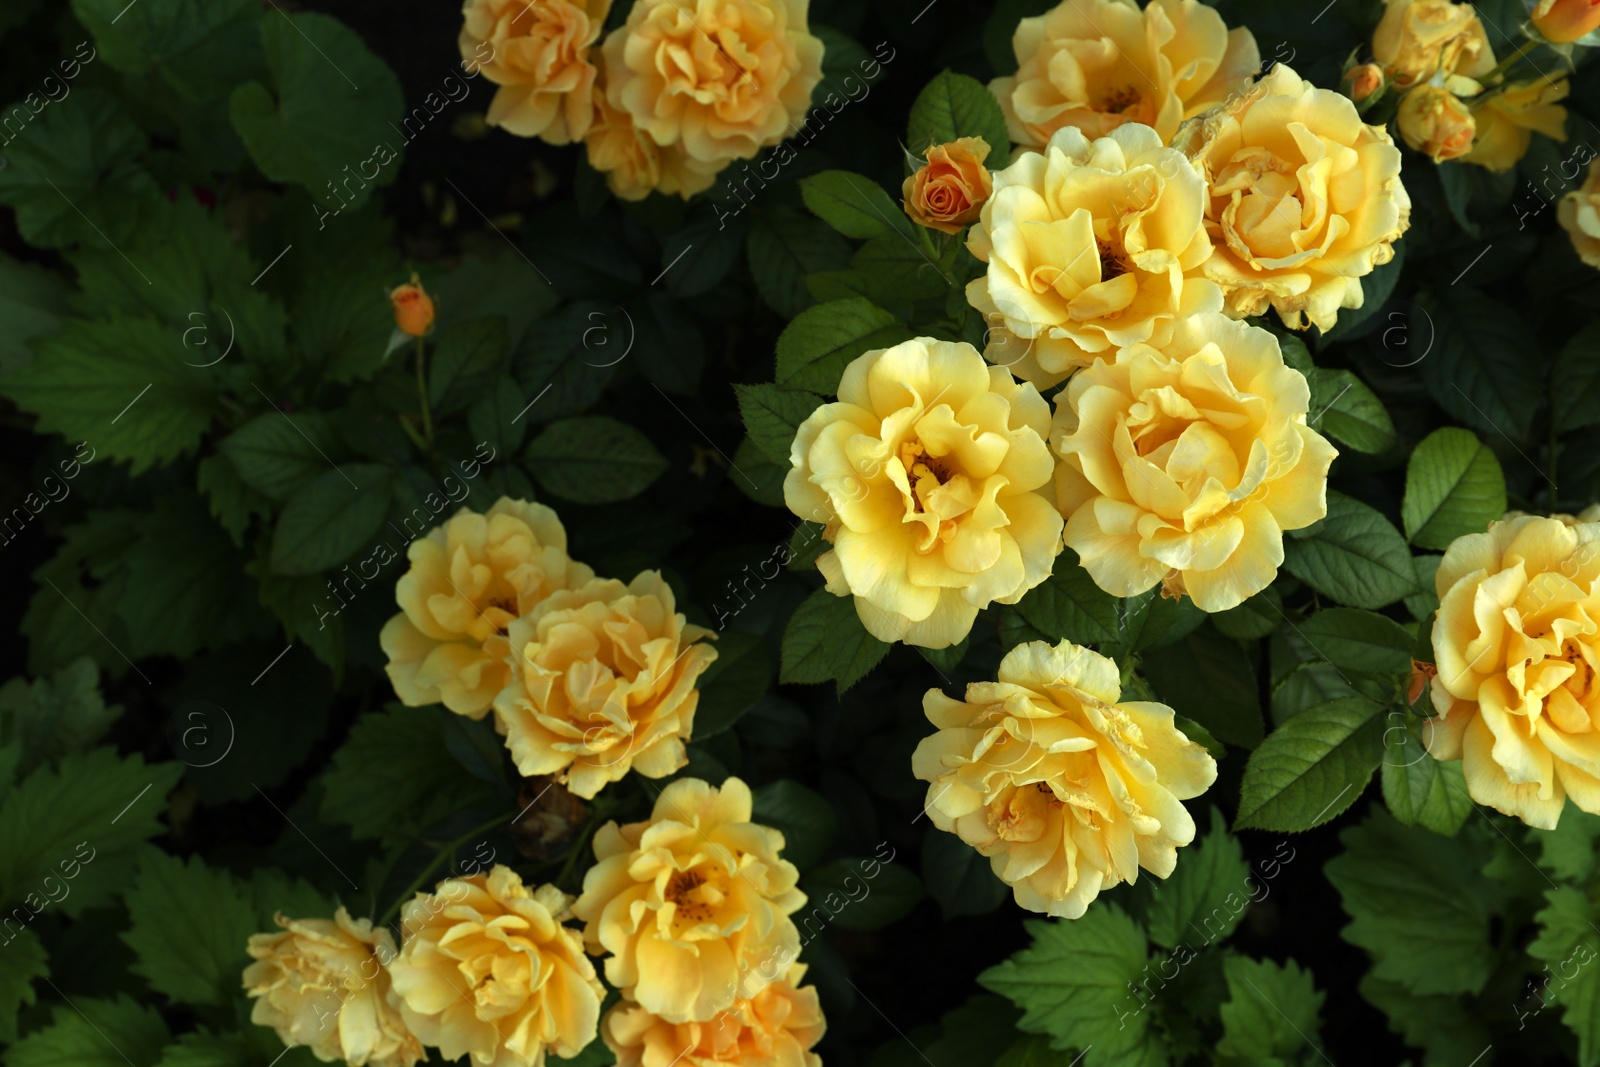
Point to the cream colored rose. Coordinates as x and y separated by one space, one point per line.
1579 215
1066 789
1304 199
1516 642
1183 464
1417 39
690 902
468 579
777 1027
1096 64
488 969
1435 122
602 681
634 165
324 983
1088 245
947 192
720 78
1507 120
930 477
537 51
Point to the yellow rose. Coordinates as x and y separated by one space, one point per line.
1088 244
602 680
1067 790
1516 640
947 191
1183 464
721 78
1434 121
1096 64
537 51
1304 199
1579 215
324 983
488 969
777 1027
1563 21
468 579
1506 122
1417 39
634 165
689 902
930 477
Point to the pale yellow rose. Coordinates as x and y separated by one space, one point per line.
775 1028
930 477
1096 64
1516 642
602 681
1183 464
1065 788
634 165
1579 215
1506 122
488 969
324 983
1088 245
690 902
468 579
1304 199
947 192
1436 122
1417 39
720 78
537 51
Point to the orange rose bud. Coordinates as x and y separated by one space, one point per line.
947 192
1562 21
413 308
1435 121
1421 675
1364 81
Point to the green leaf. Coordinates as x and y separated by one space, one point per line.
231 502
783 247
467 360
1575 403
393 776
1255 618
33 304
1420 790
804 817
1376 288
1208 678
196 46
1453 487
1355 555
1451 1032
815 348
1343 408
825 640
1568 943
854 205
897 274
53 716
773 414
1073 984
118 384
858 894
94 1033
1197 901
1273 1011
275 454
1068 606
497 416
1568 851
1417 905
1478 368
952 106
739 677
331 518
594 459
326 121
25 960
958 876
188 928
1356 640
80 822
1312 767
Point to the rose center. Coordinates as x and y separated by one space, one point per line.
1120 100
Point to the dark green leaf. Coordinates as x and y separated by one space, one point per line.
825 640
1203 899
958 876
1312 767
466 361
1478 368
331 518
772 414
802 815
854 205
952 106
189 926
815 348
77 1036
1208 678
1355 555
1453 487
858 894
594 460
1343 408
785 246
1359 640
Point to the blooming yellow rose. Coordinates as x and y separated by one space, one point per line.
1096 64
930 477
1087 245
1417 39
687 902
1516 641
777 1026
1506 121
537 51
324 983
602 680
1065 788
721 78
634 165
488 969
468 579
1435 122
947 191
1183 464
1579 215
1304 199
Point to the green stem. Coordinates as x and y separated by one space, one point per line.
439 857
422 396
1497 75
578 848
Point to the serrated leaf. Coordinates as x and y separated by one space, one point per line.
467 359
594 460
94 1033
331 518
1355 555
1343 408
1193 903
275 454
958 876
25 959
785 246
825 640
1575 402
1069 606
1568 944
189 927
815 348
955 105
1272 1013
195 45
854 205
858 894
772 415
1478 367
1208 678
33 304
1453 487
1312 767
53 716
804 817
1449 1031
739 677
232 503
1356 640
1420 790
1568 851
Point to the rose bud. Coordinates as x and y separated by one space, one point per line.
947 191
413 308
1364 81
1563 21
1435 121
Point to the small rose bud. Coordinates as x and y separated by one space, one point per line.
1566 20
413 308
1435 121
1364 81
949 190
1421 675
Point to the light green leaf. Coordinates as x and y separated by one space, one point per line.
331 518
1568 851
825 640
772 415
1272 1013
53 716
1453 487
783 247
958 876
594 459
815 348
94 1033
854 205
1204 898
1568 943
1355 556
804 817
1312 767
1343 408
188 928
1356 640
1420 790
858 894
955 105
25 960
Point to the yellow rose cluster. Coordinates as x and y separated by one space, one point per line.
587 677
669 98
